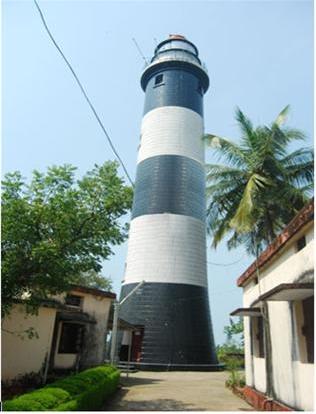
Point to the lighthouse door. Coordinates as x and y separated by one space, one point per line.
137 345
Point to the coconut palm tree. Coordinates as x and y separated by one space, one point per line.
260 187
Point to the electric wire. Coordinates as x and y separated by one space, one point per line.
226 264
83 92
95 112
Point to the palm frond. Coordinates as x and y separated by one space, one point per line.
301 174
243 220
293 134
282 117
215 173
227 149
301 155
219 168
246 127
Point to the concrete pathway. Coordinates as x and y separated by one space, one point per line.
175 391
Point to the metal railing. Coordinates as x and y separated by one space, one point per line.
173 58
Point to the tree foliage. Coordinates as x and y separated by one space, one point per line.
234 344
235 329
95 280
260 187
58 227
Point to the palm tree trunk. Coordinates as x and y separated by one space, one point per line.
270 230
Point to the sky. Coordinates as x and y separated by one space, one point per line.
259 56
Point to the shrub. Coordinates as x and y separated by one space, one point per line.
84 391
235 379
227 353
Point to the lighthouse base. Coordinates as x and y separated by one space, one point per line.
175 327
178 367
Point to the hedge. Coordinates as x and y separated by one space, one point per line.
84 391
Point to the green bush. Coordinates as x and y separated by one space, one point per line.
236 379
84 391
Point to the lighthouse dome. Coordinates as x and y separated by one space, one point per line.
176 47
176 51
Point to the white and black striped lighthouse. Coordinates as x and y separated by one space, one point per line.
167 242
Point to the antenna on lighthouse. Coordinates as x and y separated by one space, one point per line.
139 50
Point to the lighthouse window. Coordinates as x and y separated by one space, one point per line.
158 79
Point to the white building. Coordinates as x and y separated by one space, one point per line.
278 310
70 334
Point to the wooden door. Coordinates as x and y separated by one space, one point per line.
137 341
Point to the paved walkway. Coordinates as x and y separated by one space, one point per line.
175 391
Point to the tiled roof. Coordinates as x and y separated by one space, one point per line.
94 291
303 217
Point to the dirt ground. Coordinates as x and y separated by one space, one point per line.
175 391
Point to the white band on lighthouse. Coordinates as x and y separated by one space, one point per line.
166 248
172 130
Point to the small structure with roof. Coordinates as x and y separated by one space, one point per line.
278 311
70 334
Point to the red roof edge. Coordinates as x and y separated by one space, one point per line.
177 36
303 217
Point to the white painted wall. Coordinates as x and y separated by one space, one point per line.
23 356
180 241
259 374
292 375
304 373
98 307
282 339
172 130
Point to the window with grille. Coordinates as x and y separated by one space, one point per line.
257 334
308 327
73 300
70 338
260 337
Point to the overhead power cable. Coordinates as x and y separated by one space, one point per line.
226 264
83 92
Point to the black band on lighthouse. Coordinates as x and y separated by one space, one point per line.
178 88
177 324
170 184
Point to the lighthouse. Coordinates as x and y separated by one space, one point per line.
167 237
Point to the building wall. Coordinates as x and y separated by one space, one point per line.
292 375
99 308
23 356
93 349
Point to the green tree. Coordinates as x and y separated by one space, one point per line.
235 329
95 280
260 187
234 343
57 227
